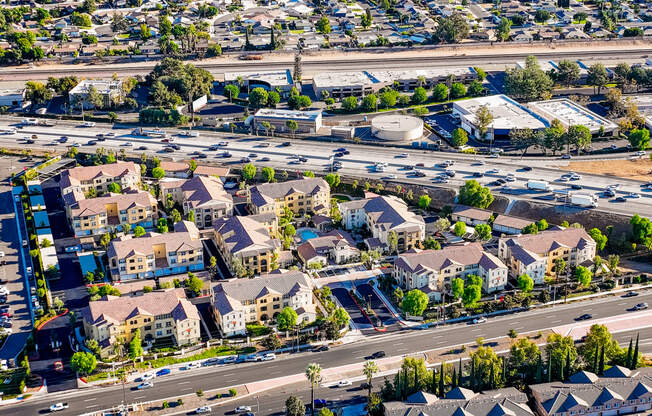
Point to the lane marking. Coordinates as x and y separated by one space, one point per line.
140 397
90 407
91 399
185 382
554 322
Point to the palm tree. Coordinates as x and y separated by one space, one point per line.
313 374
369 370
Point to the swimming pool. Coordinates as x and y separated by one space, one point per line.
307 234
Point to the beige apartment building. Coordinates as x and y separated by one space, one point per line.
83 178
100 215
158 315
301 196
203 195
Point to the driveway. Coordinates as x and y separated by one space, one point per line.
354 311
384 314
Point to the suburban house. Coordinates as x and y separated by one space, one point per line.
301 196
332 248
432 271
81 179
470 216
383 215
618 391
506 224
162 314
179 170
535 254
156 255
240 301
100 215
247 242
204 196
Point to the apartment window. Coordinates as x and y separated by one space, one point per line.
168 324
159 325
148 328
277 306
263 308
168 332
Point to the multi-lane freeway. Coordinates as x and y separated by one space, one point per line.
396 344
359 162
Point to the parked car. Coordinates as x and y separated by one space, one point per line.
269 356
203 409
191 366
630 294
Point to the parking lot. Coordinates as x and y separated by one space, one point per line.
336 271
344 298
377 305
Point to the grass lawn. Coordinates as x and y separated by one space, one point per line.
297 31
124 36
256 330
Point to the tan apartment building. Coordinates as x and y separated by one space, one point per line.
248 241
301 196
155 255
203 195
162 314
535 254
100 215
383 215
83 178
241 301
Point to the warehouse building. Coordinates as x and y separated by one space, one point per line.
570 113
508 115
307 121
12 97
269 80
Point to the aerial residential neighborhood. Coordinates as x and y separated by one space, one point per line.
325 208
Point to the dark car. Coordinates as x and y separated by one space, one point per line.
630 294
341 149
478 174
576 186
245 160
584 317
620 199
419 174
202 156
339 154
286 144
226 154
163 372
142 148
421 165
29 141
264 159
527 168
320 403
378 354
63 139
168 149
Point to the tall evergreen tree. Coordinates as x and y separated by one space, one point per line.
549 369
492 378
568 366
398 389
503 373
441 382
561 370
460 374
635 356
416 380
630 350
406 385
472 375
595 359
601 364
539 376
454 378
272 42
433 385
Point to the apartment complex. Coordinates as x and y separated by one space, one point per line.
100 215
331 248
247 240
203 195
81 179
432 271
301 196
535 254
109 90
158 315
382 215
155 255
618 391
240 301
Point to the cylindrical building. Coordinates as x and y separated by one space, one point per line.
397 127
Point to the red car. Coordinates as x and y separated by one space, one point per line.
165 141
8 315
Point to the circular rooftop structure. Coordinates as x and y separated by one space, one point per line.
397 127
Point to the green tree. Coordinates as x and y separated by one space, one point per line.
313 374
583 275
558 347
369 370
597 77
579 136
639 138
258 97
350 104
249 172
459 229
451 29
542 224
476 89
530 83
135 346
392 241
567 73
333 180
292 126
440 92
483 231
530 229
599 238
472 294
294 407
524 357
323 26
175 216
114 188
599 336
525 283
475 195
459 137
287 319
420 95
158 173
457 287
388 98
268 174
503 29
105 240
424 201
487 367
483 119
139 231
83 362
370 102
232 91
415 302
458 90
194 284
341 317
37 93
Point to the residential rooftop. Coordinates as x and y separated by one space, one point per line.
123 201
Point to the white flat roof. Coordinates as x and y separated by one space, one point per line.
274 78
288 114
643 102
396 122
357 78
508 114
570 114
343 79
545 65
103 86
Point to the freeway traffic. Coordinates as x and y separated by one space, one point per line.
359 162
396 344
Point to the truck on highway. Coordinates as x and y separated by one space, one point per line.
584 200
149 132
536 185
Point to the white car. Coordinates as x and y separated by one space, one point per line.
223 143
88 124
230 359
58 406
634 195
640 153
203 409
404 155
189 133
4 290
344 383
480 320
145 385
192 365
147 376
269 356
510 178
242 409
2 253
391 176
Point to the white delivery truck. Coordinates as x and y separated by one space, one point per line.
538 185
584 200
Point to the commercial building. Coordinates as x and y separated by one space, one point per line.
162 314
269 80
301 196
397 127
12 97
204 196
432 271
241 301
619 391
96 216
110 90
382 215
570 113
462 402
155 255
81 179
535 254
246 242
307 121
332 248
508 115
644 105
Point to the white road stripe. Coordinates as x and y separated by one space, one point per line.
91 399
554 322
185 382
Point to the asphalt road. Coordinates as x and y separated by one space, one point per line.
359 162
393 344
388 61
